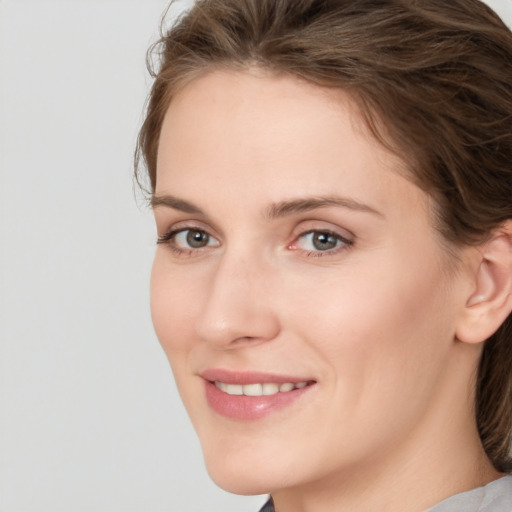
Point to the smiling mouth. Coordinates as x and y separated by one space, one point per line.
260 389
247 396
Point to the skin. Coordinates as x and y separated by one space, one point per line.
373 320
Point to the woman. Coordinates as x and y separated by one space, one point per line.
332 188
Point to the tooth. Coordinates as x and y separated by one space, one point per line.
234 389
265 389
270 389
252 389
220 385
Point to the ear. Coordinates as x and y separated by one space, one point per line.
490 301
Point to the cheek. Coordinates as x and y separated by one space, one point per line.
379 351
380 327
172 306
173 302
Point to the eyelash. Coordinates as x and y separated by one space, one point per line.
344 243
170 237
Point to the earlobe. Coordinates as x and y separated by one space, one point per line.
490 301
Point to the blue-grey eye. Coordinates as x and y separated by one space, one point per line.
192 238
188 239
320 241
324 241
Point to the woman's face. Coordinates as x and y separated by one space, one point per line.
299 289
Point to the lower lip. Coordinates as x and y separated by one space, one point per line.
241 407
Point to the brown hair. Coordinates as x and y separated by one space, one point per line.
435 74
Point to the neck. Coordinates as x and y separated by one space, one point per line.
399 484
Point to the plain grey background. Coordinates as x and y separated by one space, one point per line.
89 417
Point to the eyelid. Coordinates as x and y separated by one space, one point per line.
343 235
172 233
322 226
339 237
169 228
168 237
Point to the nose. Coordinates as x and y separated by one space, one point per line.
237 307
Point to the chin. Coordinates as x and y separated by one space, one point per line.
244 482
248 474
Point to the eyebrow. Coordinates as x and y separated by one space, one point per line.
176 204
284 208
275 210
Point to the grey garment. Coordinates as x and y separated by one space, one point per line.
493 497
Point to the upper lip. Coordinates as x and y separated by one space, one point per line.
249 377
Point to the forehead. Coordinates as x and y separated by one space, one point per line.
258 115
246 137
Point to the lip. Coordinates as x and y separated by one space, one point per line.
232 377
241 407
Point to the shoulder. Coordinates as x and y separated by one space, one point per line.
493 497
